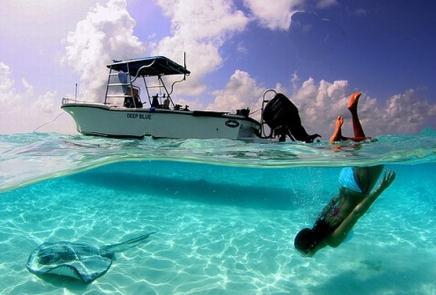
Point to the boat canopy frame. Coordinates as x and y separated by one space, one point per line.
156 66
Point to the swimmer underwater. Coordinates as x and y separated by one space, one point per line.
355 196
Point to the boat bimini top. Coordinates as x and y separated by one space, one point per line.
149 66
123 73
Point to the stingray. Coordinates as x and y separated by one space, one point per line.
77 260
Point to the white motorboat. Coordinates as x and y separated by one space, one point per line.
124 114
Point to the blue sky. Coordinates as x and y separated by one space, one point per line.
381 47
316 51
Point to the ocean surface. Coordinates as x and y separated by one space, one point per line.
225 214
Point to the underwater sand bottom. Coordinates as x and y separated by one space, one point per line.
207 248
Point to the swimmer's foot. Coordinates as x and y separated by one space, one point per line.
353 101
337 133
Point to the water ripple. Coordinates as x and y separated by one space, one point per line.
26 158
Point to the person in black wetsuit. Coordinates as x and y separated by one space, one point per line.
354 198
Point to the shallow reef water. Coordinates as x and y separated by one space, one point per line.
225 214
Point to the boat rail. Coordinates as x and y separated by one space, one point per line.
67 100
262 121
141 68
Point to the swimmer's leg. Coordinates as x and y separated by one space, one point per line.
367 177
337 133
353 101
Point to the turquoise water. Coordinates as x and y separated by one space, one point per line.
226 213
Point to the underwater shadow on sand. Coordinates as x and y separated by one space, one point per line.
197 190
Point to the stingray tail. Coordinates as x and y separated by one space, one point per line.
124 245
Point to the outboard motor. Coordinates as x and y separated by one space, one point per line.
282 117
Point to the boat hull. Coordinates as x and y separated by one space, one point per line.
103 120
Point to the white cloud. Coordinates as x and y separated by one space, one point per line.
240 92
10 99
275 14
38 24
106 33
23 111
199 28
320 103
200 20
6 84
408 113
